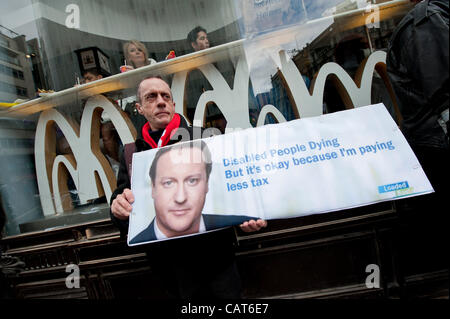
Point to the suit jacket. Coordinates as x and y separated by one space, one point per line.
211 222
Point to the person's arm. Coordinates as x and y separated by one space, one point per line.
426 57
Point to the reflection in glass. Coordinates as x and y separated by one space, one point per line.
38 55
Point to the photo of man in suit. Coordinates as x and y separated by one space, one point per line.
179 177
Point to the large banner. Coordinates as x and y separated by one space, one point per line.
308 166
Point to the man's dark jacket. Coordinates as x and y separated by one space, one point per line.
418 67
191 266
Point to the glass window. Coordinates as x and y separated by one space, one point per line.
65 54
8 56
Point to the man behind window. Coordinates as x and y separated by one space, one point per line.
418 67
198 39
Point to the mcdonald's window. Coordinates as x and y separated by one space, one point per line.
62 60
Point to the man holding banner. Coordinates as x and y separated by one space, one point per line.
198 266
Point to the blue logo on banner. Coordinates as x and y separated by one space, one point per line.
392 187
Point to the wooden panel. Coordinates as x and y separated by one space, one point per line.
313 257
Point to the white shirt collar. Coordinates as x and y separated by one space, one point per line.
160 235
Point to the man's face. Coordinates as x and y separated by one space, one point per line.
202 41
179 191
156 104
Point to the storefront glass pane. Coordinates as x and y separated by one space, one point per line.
251 63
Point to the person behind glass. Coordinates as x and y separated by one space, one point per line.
136 56
418 67
197 266
91 75
198 39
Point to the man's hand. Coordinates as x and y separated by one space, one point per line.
253 225
121 206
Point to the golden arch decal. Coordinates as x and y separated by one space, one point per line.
233 103
90 170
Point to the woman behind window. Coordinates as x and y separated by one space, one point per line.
136 56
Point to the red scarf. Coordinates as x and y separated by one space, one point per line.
170 130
